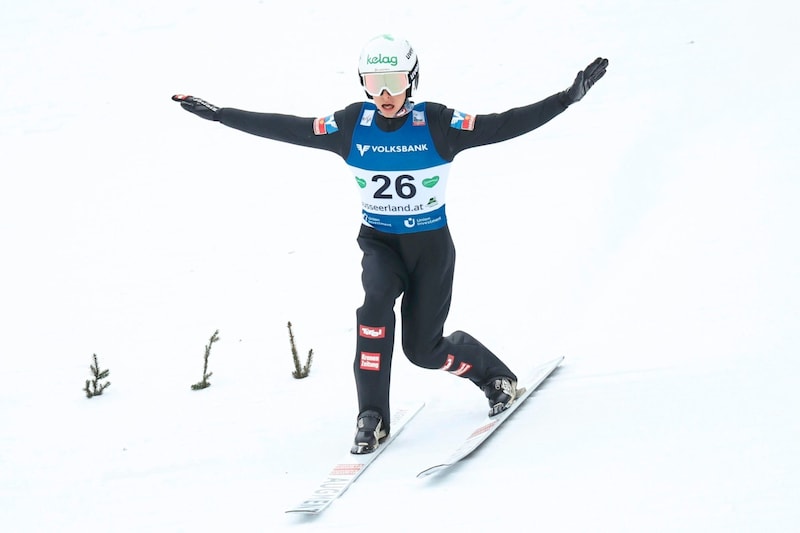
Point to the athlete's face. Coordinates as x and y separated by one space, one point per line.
389 105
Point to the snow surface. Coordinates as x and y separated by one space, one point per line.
649 234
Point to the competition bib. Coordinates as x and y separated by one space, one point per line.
401 177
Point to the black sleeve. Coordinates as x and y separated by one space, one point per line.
491 128
293 129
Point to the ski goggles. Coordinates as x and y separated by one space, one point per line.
393 82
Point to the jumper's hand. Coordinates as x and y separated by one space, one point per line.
198 106
585 79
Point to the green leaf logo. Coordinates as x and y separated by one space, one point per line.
361 183
430 182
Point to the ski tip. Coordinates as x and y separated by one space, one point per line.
305 511
553 363
431 470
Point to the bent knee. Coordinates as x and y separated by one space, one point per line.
425 356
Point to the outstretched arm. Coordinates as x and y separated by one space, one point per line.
498 127
279 127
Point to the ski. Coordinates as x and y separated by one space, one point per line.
345 473
490 424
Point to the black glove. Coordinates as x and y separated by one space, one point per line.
584 81
198 106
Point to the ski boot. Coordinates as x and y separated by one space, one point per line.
501 393
370 433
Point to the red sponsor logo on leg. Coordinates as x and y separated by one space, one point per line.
372 332
462 369
370 361
448 363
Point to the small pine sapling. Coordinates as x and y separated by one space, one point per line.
93 387
299 372
206 374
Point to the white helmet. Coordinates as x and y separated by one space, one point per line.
385 53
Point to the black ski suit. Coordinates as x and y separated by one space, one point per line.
419 265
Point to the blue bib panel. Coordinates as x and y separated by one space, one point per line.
401 176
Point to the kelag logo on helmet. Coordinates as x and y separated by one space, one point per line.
385 54
381 59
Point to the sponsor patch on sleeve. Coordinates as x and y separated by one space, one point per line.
325 125
462 121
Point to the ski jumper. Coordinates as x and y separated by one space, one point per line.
401 167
